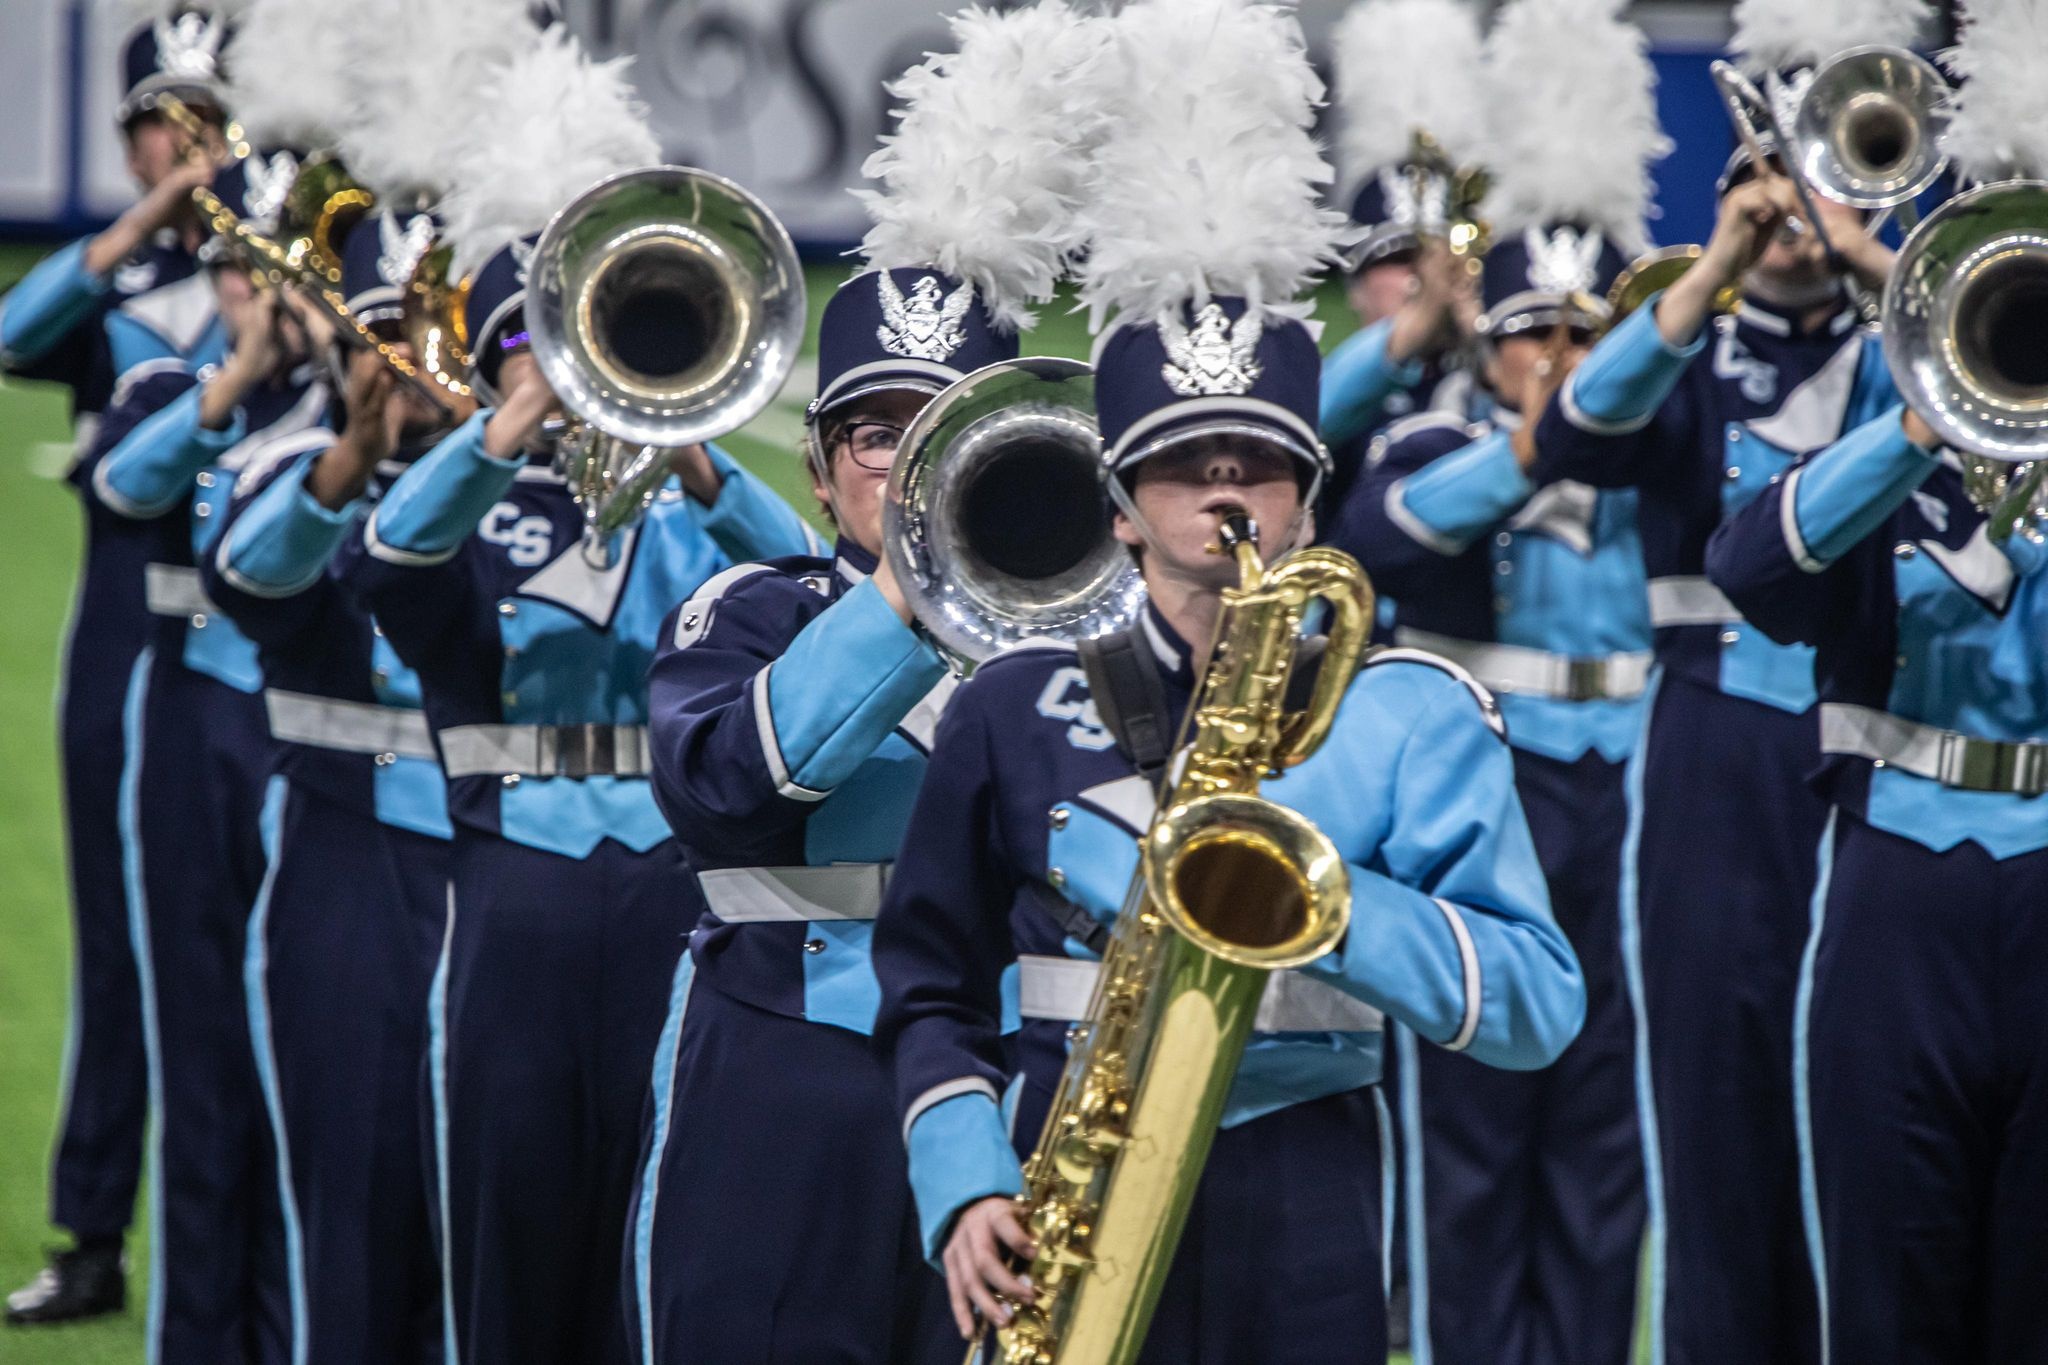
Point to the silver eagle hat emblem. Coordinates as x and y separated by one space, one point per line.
266 183
926 325
1416 202
1563 260
402 248
1213 357
188 46
522 258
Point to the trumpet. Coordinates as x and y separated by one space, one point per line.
995 518
1465 232
1652 273
665 307
1966 337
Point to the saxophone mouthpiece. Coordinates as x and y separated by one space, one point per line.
1238 528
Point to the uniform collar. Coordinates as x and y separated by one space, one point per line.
851 563
1778 321
1173 653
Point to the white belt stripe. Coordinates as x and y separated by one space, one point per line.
1535 672
1943 756
1689 602
1062 988
350 727
522 750
173 590
795 895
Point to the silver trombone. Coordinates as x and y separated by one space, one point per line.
666 308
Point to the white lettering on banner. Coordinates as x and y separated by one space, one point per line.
527 540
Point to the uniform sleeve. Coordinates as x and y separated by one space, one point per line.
1451 928
50 302
269 571
151 470
942 943
1784 559
131 343
1604 424
750 728
1358 379
1426 496
435 505
750 521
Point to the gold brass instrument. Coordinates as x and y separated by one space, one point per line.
1966 337
666 308
1231 888
995 519
308 258
1651 274
1465 232
435 321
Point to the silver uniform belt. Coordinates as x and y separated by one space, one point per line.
349 727
1527 672
795 895
1062 988
545 751
173 590
1689 602
1963 762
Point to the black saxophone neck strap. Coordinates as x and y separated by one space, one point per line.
1129 696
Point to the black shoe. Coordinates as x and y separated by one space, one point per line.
85 1282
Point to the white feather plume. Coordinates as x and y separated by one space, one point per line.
436 65
987 167
1404 65
1207 179
2000 125
1782 35
143 11
559 123
290 69
1571 120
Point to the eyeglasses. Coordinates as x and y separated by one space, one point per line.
872 444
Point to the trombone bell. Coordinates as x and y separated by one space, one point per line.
1869 128
996 520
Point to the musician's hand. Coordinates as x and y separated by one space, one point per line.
976 1267
167 201
343 471
891 590
1751 215
1861 250
701 479
1429 318
1545 378
1918 432
528 402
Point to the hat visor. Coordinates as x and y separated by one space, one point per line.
913 376
143 99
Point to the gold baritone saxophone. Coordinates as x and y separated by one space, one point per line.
1230 888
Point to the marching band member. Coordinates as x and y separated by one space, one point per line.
792 709
1403 67
344 937
1530 1185
1207 389
569 897
81 318
1700 414
195 809
1920 1024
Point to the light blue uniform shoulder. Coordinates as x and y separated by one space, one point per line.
1408 681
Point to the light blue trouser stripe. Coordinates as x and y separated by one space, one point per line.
1802 1094
130 818
437 1081
1415 1204
666 1050
1389 1184
256 991
1632 972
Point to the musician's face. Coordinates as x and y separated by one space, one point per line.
1182 492
1379 290
864 442
1797 263
153 147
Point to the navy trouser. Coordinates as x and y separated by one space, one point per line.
1723 880
773 1224
1928 1075
1281 1260
557 975
1532 1181
342 948
192 807
98 1152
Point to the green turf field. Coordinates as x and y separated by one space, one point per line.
39 536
